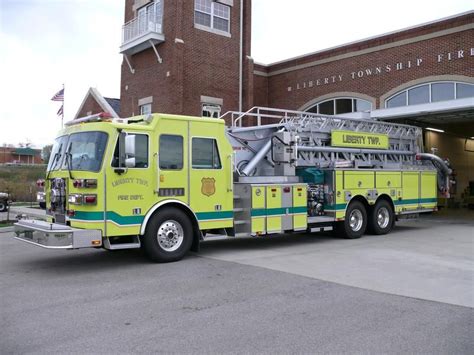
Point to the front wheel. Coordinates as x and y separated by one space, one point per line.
3 206
169 236
381 218
355 223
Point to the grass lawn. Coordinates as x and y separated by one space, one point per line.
6 224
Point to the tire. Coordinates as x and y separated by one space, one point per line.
168 236
355 223
382 218
3 206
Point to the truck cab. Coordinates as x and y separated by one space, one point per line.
112 180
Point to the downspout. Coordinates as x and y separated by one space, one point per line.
241 53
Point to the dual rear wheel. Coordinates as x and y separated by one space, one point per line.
377 220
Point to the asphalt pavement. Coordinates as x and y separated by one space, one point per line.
243 296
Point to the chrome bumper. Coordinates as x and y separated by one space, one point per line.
56 236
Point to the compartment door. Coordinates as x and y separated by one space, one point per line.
275 211
410 190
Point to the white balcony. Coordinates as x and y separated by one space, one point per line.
145 30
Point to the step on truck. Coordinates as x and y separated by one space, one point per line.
165 183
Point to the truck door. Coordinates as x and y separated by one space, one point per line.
211 177
128 190
173 179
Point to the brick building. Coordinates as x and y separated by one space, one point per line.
194 57
20 155
94 103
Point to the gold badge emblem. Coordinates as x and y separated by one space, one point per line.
208 187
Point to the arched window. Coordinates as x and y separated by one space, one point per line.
431 92
340 105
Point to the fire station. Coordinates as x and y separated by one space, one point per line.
194 58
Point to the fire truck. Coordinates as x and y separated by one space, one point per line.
165 183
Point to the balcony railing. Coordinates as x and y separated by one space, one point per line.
148 21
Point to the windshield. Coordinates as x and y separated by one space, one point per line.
79 151
57 153
85 151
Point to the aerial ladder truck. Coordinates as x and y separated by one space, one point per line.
165 183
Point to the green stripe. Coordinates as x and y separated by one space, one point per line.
261 212
415 201
203 216
300 209
339 206
111 216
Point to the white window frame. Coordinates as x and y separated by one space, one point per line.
145 109
211 28
212 109
333 99
406 90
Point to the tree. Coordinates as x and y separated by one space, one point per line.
46 152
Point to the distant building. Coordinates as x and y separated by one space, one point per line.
94 103
20 155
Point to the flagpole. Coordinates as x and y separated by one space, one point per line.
62 113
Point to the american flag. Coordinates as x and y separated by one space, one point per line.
59 96
61 110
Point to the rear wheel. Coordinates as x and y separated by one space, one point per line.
381 218
169 236
3 206
355 223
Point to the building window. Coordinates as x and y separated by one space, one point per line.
145 109
171 152
430 92
211 14
340 105
205 154
211 110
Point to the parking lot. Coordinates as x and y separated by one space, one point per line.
410 291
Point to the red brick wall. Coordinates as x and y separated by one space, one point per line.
7 155
205 64
354 70
90 105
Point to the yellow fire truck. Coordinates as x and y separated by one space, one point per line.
166 182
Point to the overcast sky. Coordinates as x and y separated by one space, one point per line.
47 43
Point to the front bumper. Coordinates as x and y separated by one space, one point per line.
56 236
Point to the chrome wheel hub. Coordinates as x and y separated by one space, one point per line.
170 235
356 220
383 217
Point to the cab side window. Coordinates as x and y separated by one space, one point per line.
171 152
205 154
141 151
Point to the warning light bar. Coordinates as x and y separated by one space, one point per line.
99 117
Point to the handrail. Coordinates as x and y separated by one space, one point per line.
286 116
140 25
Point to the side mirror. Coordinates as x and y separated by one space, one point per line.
127 148
130 143
130 148
130 162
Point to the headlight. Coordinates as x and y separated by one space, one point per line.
75 199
